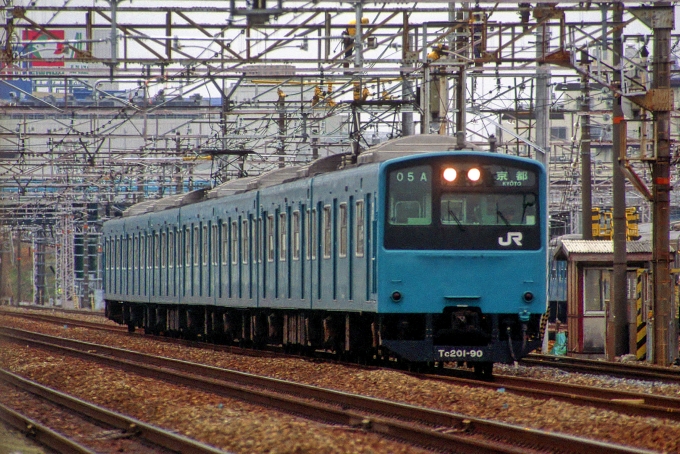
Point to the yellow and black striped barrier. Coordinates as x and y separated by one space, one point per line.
641 344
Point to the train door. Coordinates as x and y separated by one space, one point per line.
234 274
344 260
296 269
172 268
163 263
357 249
371 248
203 260
258 258
142 264
151 263
184 253
313 250
326 280
224 259
283 263
133 264
217 259
270 253
147 264
114 265
127 273
123 264
246 259
157 279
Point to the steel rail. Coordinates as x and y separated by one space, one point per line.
55 319
66 321
153 434
40 433
625 370
626 402
631 403
433 428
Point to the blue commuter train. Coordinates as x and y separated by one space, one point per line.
424 257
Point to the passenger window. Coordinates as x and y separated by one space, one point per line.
309 234
187 246
343 231
283 237
164 251
296 235
116 254
205 244
360 228
314 234
234 243
156 250
171 249
244 235
142 251
197 245
327 231
127 252
270 238
149 251
258 240
225 243
214 246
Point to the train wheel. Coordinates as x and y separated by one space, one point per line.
131 327
484 370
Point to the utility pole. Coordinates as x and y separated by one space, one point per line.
542 94
407 88
281 148
18 249
659 100
460 91
586 178
665 321
616 313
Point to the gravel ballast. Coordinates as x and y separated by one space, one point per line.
239 428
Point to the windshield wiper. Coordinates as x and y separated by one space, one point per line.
455 218
499 214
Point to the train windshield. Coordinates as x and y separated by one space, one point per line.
488 209
464 205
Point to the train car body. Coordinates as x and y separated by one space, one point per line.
425 257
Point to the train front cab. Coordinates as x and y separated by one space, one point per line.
462 258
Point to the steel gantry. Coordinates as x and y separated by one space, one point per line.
107 103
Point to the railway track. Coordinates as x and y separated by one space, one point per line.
419 426
130 434
123 330
589 366
40 433
630 403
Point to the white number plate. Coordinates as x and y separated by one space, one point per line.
459 353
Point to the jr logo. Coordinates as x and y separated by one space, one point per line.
515 237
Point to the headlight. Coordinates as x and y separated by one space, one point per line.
450 174
474 174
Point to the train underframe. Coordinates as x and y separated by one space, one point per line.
465 336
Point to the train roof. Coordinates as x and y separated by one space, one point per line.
395 148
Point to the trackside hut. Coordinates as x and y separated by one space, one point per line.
589 277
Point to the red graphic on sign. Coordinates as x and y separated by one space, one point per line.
43 48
